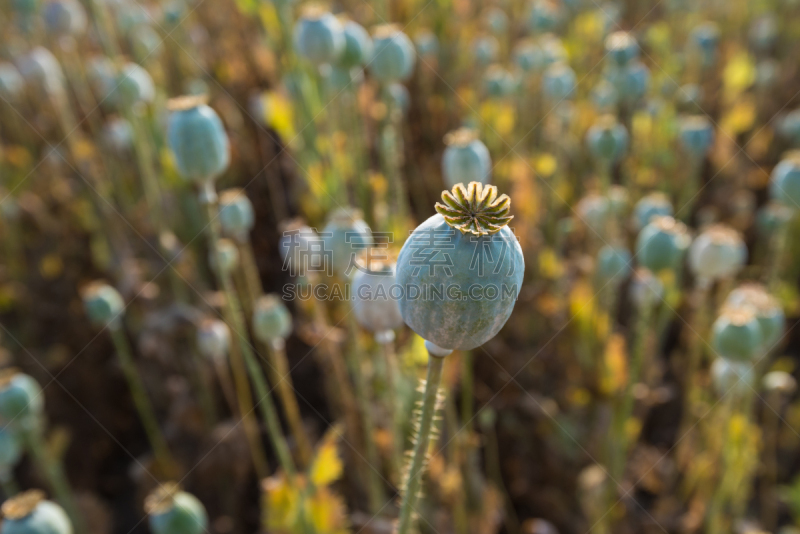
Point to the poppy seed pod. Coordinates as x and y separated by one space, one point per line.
394 56
466 159
718 252
224 256
558 82
495 19
118 135
766 307
662 243
319 36
607 139
789 126
41 70
213 338
645 289
102 75
621 48
528 56
736 334
485 48
65 17
146 42
618 199
593 210
498 82
236 215
604 96
771 217
736 378
545 16
297 244
553 49
696 135
399 97
10 449
197 140
103 304
172 511
649 206
12 84
375 295
780 382
705 38
134 85
343 237
427 44
472 279
357 46
271 319
763 33
30 513
784 186
21 399
613 266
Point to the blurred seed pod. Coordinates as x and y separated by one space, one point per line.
545 16
146 43
621 48
619 200
357 46
771 217
374 306
553 49
134 85
10 449
736 334
789 127
466 159
319 36
649 206
42 71
118 135
394 56
594 211
696 135
613 266
65 17
779 382
495 20
399 97
604 96
705 39
767 309
662 243
21 400
271 319
607 139
30 513
499 82
558 82
172 511
345 235
224 256
236 214
732 378
172 13
688 98
718 252
103 304
197 140
102 77
528 56
427 44
767 74
12 84
763 34
297 244
631 81
213 339
485 49
784 184
646 290
131 15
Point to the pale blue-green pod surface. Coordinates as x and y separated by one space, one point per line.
718 252
198 142
134 85
41 70
65 17
771 217
357 45
427 44
224 256
545 16
732 378
213 338
558 82
607 139
485 48
649 206
12 84
21 399
631 81
763 33
528 56
458 289
271 319
393 55
399 97
499 82
736 335
784 186
10 448
661 244
646 290
376 297
236 214
319 37
766 307
621 48
183 514
696 135
103 303
43 517
466 159
344 237
613 266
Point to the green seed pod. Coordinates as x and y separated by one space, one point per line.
10 449
103 304
736 334
21 399
485 49
545 16
621 48
646 289
146 43
718 252
319 36
499 83
607 139
461 270
779 382
553 49
696 135
134 86
399 97
357 46
65 17
12 84
662 243
224 256
604 96
236 214
789 127
772 217
619 200
42 71
558 82
613 266
197 140
213 339
394 56
649 206
630 81
466 159
495 20
296 246
704 38
102 76
118 136
528 56
375 297
594 211
345 235
766 307
30 513
426 44
784 184
730 377
271 319
172 511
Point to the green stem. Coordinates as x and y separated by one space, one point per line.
140 400
413 482
386 341
282 379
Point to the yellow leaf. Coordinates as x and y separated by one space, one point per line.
546 165
739 74
740 118
327 465
549 264
616 371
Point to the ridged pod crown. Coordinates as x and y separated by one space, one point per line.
475 209
104 305
22 505
173 511
31 513
736 334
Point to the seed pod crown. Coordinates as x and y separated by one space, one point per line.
475 208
